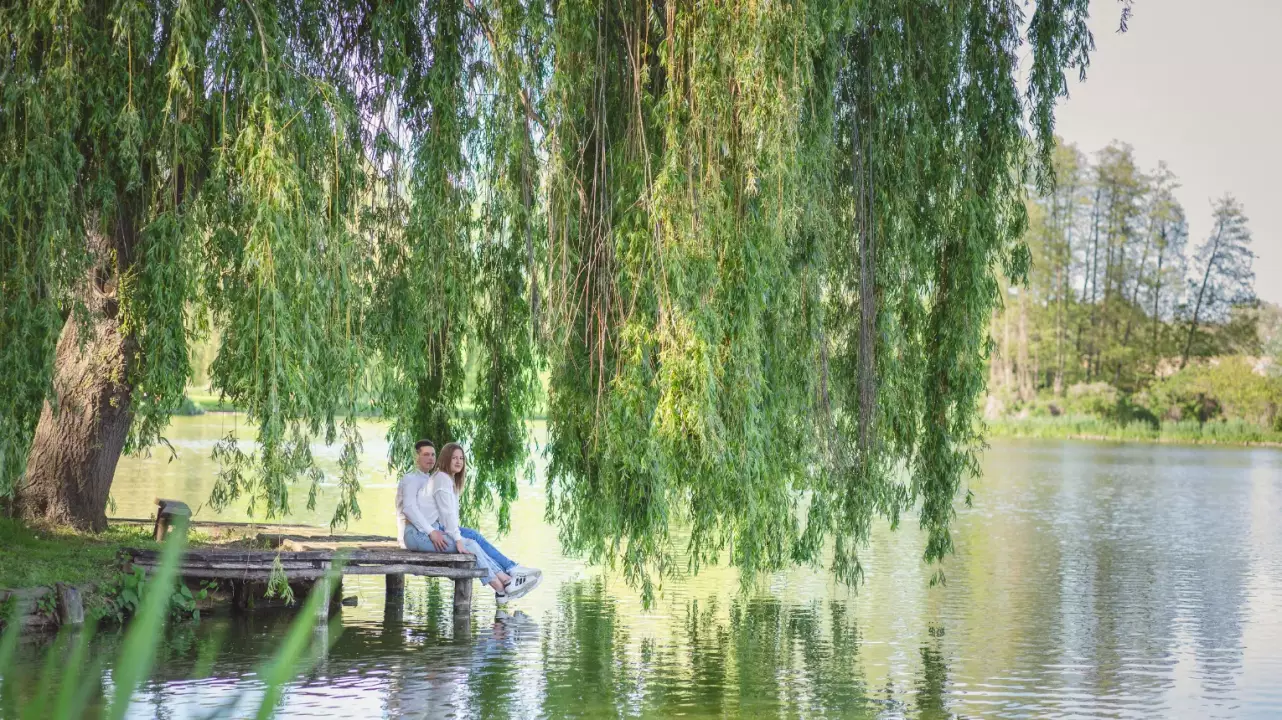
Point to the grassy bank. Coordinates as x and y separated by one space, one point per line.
1088 427
31 557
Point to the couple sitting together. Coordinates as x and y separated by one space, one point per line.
427 502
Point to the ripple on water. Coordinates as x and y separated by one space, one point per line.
1119 581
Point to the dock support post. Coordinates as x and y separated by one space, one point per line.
395 588
322 585
462 605
71 609
241 600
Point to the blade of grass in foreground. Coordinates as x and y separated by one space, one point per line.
138 651
9 642
73 696
288 662
44 686
208 653
8 645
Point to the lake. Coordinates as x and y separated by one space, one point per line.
1090 580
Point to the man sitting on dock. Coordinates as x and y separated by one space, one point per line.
409 506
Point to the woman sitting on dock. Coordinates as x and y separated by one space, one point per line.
427 519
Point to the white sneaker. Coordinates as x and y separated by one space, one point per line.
527 571
522 584
502 599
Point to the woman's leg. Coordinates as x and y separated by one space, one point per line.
419 541
499 558
494 576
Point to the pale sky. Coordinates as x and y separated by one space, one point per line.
1197 83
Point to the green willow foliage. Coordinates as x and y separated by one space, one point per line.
681 303
774 233
756 244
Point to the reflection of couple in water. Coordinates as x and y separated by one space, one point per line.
427 520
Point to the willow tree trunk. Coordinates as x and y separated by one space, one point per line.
81 434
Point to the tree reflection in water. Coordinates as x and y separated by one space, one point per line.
694 657
757 657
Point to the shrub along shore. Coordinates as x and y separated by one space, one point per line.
1228 400
1087 427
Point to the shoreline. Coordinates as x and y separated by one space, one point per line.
1096 430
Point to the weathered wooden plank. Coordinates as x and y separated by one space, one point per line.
313 573
25 594
306 570
298 546
428 570
246 574
26 602
287 566
351 556
275 539
293 569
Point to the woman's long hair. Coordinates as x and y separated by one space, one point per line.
443 462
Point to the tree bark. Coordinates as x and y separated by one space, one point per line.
1157 296
1197 309
81 434
1023 376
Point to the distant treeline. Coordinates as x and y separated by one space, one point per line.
1123 316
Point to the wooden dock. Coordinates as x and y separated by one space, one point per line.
310 559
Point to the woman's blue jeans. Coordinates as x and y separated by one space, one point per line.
499 558
418 541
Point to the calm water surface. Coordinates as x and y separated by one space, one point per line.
1090 580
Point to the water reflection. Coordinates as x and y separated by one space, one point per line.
933 681
1090 580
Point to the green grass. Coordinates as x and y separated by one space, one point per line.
189 408
31 557
1094 428
208 402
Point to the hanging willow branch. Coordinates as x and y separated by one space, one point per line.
756 244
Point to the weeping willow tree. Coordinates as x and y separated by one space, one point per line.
301 176
774 235
754 244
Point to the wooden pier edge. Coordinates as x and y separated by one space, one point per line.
246 566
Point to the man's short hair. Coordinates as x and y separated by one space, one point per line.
418 446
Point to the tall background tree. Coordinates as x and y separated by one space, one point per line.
1114 299
1224 260
757 246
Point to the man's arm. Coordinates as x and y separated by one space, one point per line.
410 504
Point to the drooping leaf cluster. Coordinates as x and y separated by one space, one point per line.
301 175
756 244
775 234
